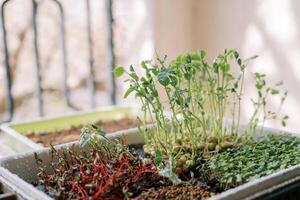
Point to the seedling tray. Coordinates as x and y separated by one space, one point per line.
21 170
19 131
9 145
5 191
9 192
289 190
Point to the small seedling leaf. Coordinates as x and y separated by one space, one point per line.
119 71
143 64
158 156
98 131
128 92
202 54
274 91
163 78
84 139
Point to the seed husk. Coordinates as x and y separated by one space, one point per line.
179 141
187 155
218 148
212 139
189 163
183 158
226 145
188 149
200 146
178 170
206 155
211 146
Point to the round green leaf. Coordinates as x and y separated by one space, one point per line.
119 71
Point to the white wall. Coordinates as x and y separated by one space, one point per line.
174 26
269 28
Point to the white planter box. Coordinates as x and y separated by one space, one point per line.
19 130
21 170
9 145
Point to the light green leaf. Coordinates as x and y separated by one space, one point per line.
84 139
158 156
202 54
274 91
119 71
143 64
128 92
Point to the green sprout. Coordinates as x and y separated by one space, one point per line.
200 96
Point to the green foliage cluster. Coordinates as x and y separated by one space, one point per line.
195 143
255 159
199 95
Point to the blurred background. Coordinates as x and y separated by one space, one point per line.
141 29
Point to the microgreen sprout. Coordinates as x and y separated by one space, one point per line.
105 170
200 96
254 159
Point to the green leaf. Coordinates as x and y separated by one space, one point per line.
225 67
194 56
84 139
131 68
251 58
229 180
239 61
154 93
238 178
163 78
134 76
202 54
143 64
128 92
285 117
284 120
158 156
236 55
119 71
259 86
174 80
188 59
187 76
98 131
178 59
274 91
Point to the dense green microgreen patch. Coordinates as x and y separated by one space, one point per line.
199 95
254 159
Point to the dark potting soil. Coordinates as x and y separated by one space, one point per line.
176 192
73 134
116 192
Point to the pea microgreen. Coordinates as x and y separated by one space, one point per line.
199 95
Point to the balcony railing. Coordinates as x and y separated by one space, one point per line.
10 107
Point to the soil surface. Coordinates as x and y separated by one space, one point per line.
175 192
73 134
